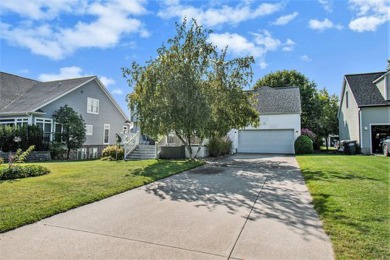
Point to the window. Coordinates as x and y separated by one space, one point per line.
92 106
81 153
58 132
14 121
92 152
89 129
45 125
21 122
106 134
346 99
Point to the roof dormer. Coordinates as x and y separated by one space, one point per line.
383 84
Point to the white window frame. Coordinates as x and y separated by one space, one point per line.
106 127
92 153
81 154
93 106
45 121
20 121
88 129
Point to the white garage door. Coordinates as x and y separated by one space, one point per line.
266 141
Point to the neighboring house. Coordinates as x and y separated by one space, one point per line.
364 112
280 123
26 101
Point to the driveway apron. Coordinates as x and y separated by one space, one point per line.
242 207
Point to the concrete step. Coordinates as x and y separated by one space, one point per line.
143 152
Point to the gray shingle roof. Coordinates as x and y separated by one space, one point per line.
278 100
12 86
19 95
364 90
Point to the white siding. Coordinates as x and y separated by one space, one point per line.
349 117
272 122
372 116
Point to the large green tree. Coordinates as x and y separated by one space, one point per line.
327 121
73 128
191 88
309 98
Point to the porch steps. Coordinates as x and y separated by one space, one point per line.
142 152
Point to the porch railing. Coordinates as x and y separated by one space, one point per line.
130 143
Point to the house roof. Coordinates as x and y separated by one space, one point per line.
278 100
364 90
21 95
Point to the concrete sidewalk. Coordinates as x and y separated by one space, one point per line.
243 207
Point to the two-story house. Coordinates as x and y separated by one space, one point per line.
364 112
28 101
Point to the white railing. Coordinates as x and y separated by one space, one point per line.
130 143
161 142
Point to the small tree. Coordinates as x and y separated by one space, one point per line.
191 89
73 130
327 121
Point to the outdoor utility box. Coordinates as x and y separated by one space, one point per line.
172 152
350 147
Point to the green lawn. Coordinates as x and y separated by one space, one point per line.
351 195
72 184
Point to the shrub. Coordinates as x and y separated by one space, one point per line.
303 145
113 151
23 172
29 135
57 150
219 146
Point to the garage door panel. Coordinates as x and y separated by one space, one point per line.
266 141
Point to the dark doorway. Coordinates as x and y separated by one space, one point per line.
378 134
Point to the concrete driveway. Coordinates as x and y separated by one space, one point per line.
243 207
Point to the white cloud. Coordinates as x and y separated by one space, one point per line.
289 45
258 47
65 73
370 14
305 58
237 44
323 25
283 20
107 81
264 39
218 16
112 21
117 91
41 9
327 5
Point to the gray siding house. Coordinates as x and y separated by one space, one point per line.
27 101
364 112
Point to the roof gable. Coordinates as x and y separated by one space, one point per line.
278 100
364 90
31 95
43 93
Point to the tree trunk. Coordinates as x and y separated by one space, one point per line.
188 146
67 155
200 146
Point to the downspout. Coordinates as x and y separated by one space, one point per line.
360 130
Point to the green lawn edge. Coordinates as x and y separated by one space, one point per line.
351 195
29 200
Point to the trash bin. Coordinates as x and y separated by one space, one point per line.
350 147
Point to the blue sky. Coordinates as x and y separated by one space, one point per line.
323 39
